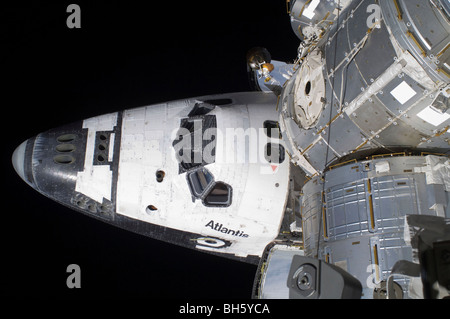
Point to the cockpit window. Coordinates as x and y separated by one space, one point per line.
274 153
202 185
220 102
271 129
199 180
220 195
195 145
201 109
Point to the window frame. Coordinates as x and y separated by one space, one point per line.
206 190
193 188
268 125
282 153
224 204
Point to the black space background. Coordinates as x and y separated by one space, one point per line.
126 54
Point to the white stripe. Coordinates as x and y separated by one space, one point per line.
111 147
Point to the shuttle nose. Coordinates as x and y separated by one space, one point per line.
18 160
56 164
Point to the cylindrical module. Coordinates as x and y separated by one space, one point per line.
371 78
354 215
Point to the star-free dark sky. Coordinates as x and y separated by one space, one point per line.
125 55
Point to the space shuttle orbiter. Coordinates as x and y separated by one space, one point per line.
335 178
205 173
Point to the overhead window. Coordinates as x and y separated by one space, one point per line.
274 153
199 180
220 195
271 129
